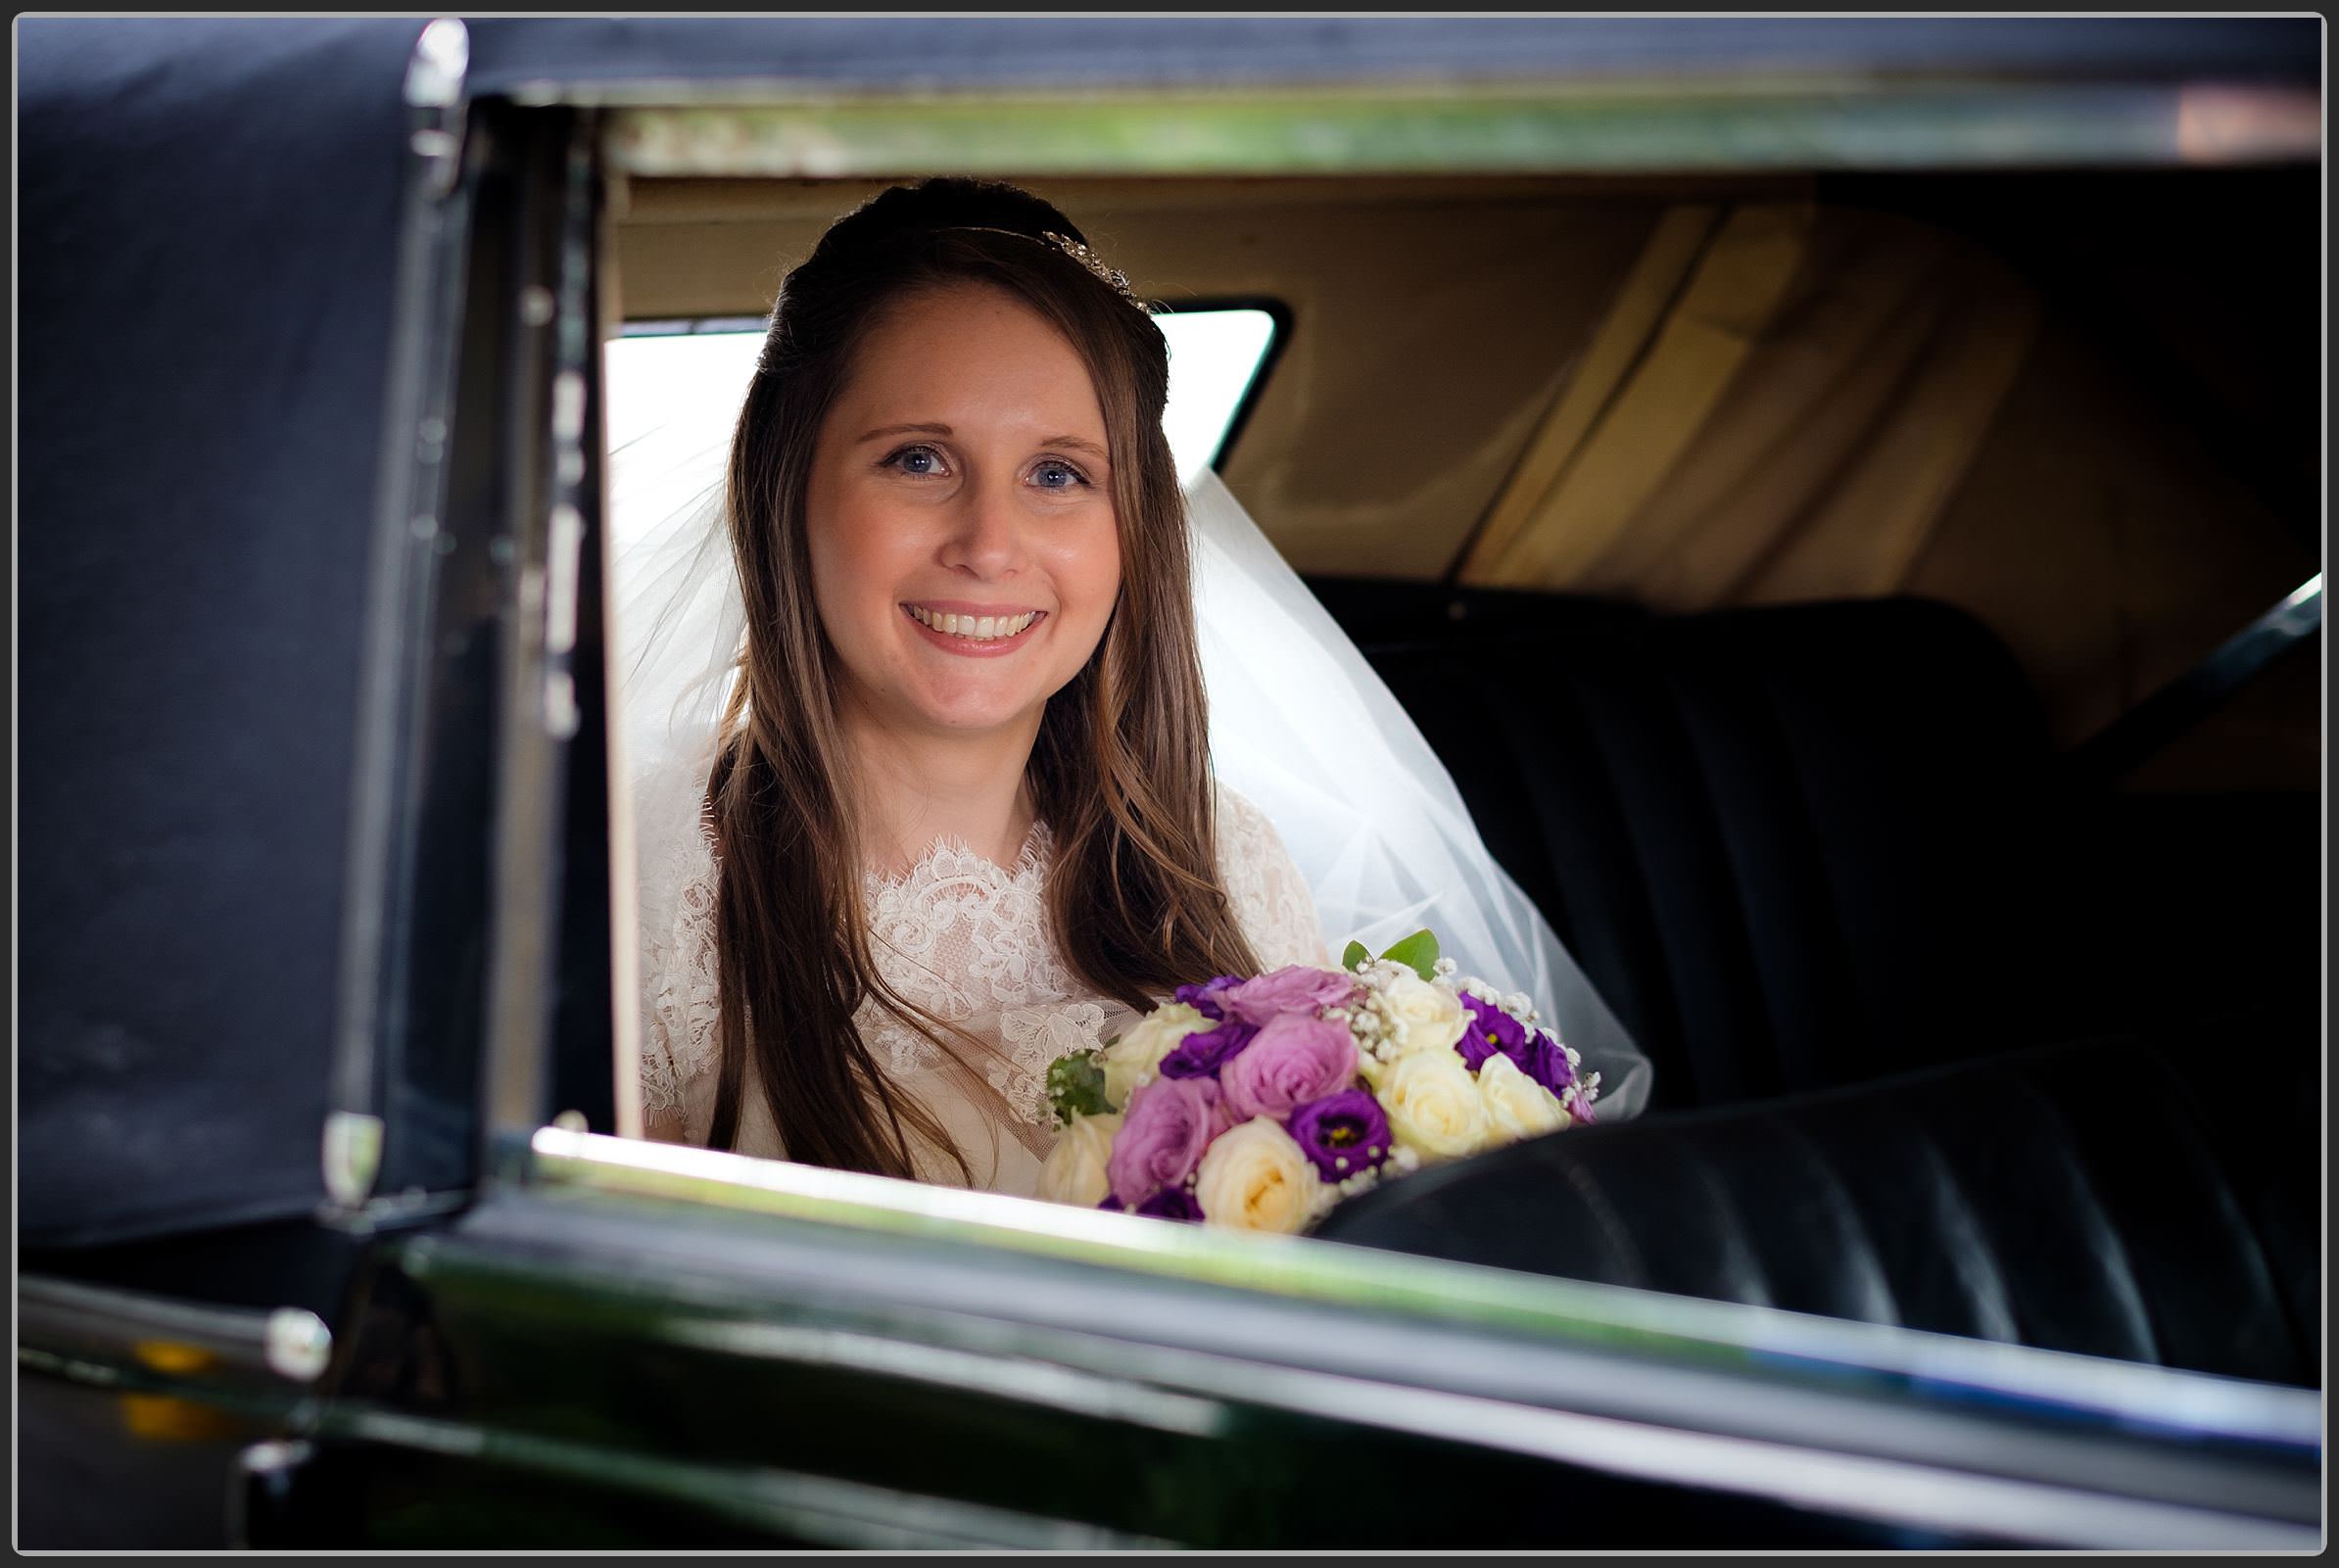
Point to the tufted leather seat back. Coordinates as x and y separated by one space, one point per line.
2098 1198
1792 846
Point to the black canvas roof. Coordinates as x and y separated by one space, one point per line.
208 214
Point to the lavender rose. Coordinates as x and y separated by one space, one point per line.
1292 1060
1203 998
1292 989
1342 1133
1492 1030
1202 1054
1162 1134
1579 1105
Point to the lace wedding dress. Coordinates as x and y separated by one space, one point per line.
962 936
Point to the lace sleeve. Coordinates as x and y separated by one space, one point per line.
678 987
1271 900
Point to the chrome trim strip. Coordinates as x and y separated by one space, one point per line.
101 1330
433 243
1456 1293
1056 1384
2169 712
545 530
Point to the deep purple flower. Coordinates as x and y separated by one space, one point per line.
1293 1060
1294 988
1491 1030
1201 1054
1171 1203
1342 1133
1548 1064
1170 1121
1203 998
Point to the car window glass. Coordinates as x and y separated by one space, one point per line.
682 381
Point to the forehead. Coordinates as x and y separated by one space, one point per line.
970 354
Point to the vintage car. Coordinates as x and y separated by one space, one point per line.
1844 495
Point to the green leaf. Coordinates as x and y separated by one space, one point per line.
1077 1087
1354 954
1417 952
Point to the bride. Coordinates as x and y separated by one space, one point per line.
956 813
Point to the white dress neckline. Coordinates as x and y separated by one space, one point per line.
950 856
961 937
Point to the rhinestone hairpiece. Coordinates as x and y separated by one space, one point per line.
1112 276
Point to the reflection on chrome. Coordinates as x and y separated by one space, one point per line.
2133 1393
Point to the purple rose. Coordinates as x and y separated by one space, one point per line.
1342 1133
1202 1054
1292 989
1170 1121
1492 1030
1548 1064
1203 998
1294 1059
1171 1203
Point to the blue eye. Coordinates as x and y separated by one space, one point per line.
1058 476
919 462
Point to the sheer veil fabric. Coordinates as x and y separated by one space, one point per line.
1302 729
1306 730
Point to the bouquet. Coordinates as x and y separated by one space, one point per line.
1260 1102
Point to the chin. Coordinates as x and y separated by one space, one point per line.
967 713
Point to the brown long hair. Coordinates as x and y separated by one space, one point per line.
1121 770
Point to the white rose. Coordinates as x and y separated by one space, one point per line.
1075 1171
1516 1105
1253 1177
1428 1017
1139 1052
1423 1018
1433 1104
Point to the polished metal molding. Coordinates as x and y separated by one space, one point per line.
410 539
119 1331
1551 1309
352 1157
436 89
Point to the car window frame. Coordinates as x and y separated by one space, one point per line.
499 371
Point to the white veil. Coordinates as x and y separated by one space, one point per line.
1300 725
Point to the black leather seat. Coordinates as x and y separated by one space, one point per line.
1793 847
2112 1198
1824 863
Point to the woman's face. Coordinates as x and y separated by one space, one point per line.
965 553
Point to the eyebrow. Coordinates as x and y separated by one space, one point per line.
1077 442
883 431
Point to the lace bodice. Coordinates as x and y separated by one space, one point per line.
961 937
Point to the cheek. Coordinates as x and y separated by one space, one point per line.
1087 575
851 555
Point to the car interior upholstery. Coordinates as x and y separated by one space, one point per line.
2098 1196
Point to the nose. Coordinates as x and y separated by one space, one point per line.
987 535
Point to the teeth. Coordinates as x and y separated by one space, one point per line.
973 628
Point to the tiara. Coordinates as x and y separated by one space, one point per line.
1112 276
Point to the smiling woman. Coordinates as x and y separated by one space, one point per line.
958 820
